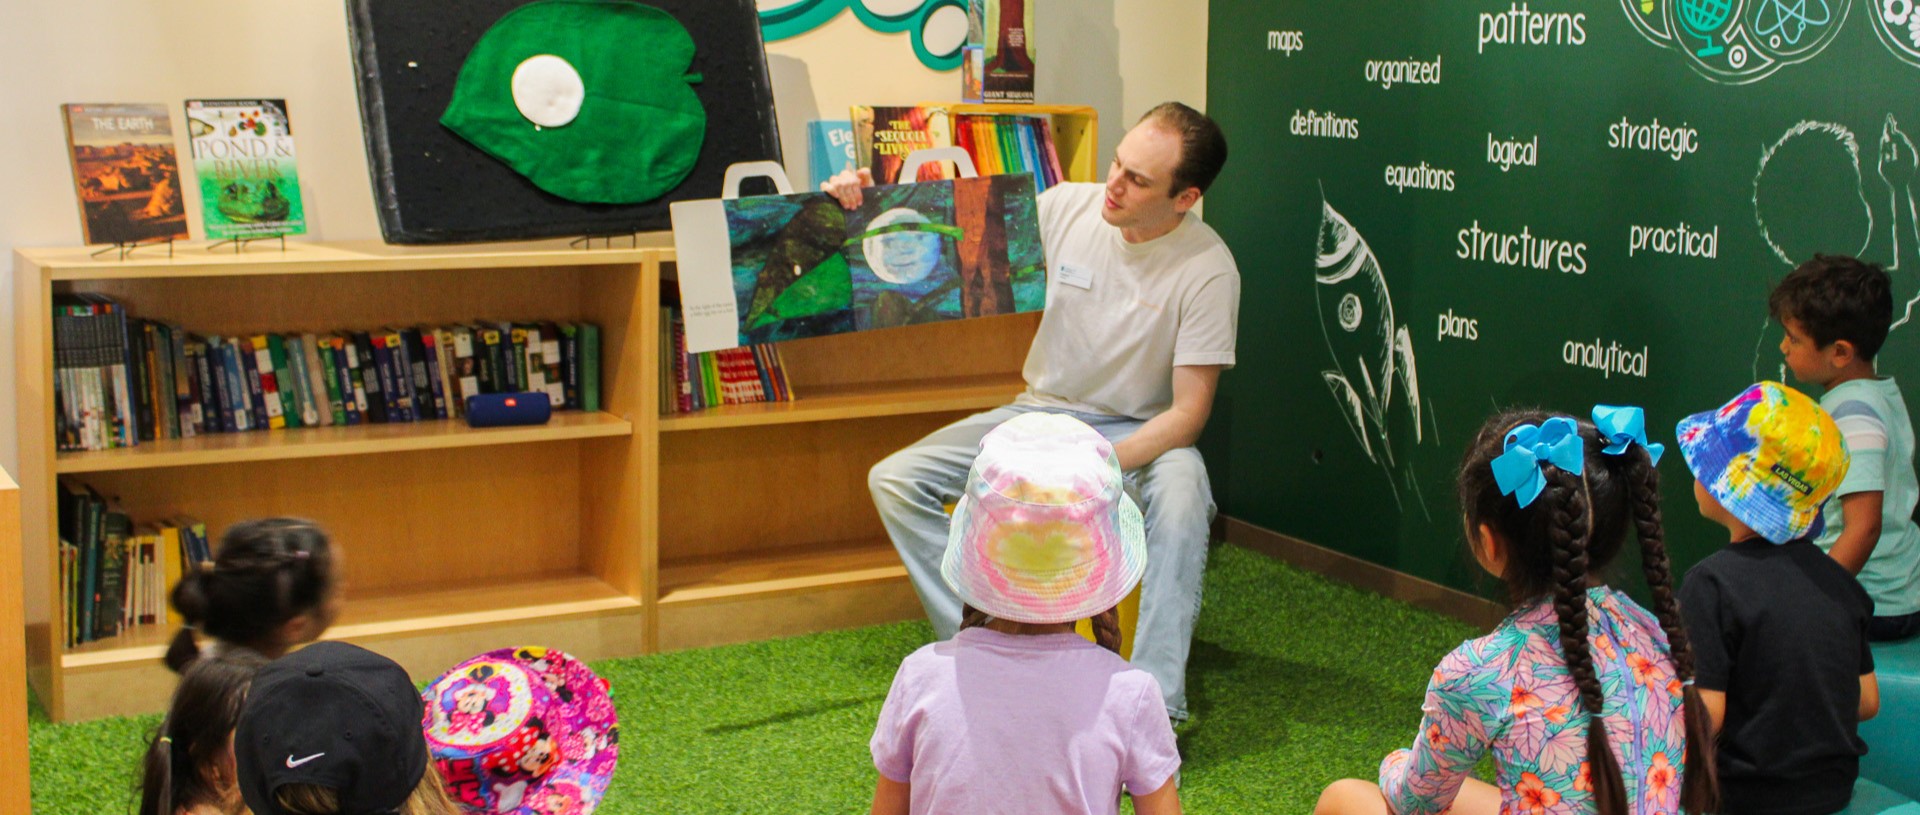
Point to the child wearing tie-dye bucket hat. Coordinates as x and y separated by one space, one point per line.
1017 711
1779 629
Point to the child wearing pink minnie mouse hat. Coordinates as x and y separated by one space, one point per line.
1018 711
523 731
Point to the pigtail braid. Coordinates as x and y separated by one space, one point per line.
1569 528
1700 786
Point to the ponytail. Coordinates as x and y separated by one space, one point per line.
1700 786
180 768
189 598
1569 529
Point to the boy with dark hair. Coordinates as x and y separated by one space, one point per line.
1836 311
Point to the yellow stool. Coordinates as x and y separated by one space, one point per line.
1129 617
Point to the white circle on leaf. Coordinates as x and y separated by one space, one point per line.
548 91
945 30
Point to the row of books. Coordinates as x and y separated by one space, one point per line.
884 136
730 376
121 380
1006 145
116 576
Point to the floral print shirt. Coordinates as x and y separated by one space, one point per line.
1510 692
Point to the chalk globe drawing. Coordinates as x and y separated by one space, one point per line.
1734 42
905 257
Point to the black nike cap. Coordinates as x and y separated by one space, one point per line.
332 715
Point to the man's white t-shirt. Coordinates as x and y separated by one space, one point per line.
1120 316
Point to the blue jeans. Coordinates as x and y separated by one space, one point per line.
912 487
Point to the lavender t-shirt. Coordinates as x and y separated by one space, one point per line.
992 722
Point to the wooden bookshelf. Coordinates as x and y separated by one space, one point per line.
453 539
14 780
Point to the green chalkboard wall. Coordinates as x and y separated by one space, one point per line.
1564 202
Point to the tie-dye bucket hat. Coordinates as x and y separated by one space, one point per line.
1045 532
1771 457
523 731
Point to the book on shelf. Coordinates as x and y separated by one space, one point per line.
830 149
999 144
115 575
730 376
885 135
243 155
125 173
119 380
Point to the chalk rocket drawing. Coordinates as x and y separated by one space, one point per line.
1810 194
1371 351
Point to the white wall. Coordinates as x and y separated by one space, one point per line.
1122 56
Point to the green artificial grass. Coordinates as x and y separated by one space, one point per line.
1294 682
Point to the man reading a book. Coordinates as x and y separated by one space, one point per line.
1142 303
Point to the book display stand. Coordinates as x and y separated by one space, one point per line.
240 244
123 249
606 241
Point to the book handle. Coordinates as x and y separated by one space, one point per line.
910 169
736 173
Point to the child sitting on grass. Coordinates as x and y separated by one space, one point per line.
1584 698
1017 712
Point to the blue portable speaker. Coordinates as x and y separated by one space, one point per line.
500 409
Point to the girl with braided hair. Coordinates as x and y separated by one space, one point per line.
1583 697
1016 711
271 586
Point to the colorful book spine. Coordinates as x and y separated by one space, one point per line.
589 367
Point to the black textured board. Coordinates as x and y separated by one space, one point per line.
430 186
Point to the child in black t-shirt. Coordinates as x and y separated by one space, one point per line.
1779 629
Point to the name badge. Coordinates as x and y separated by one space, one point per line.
1074 276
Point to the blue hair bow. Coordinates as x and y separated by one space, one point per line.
1555 441
1624 427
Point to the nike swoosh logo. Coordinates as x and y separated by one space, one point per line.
292 763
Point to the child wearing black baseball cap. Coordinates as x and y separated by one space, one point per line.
334 729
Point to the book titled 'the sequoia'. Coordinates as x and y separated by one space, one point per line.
243 154
125 173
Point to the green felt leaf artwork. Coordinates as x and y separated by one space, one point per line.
590 100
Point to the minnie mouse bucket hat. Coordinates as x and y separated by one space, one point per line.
526 731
